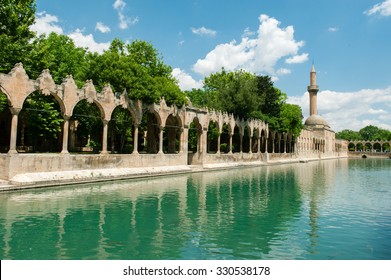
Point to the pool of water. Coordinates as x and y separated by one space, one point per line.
333 209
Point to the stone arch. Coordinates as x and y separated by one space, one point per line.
255 141
368 146
263 147
270 144
5 122
236 139
40 124
352 147
377 147
386 146
225 138
121 131
151 132
194 139
172 134
85 127
213 136
246 139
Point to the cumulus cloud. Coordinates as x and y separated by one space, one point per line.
102 27
88 41
186 82
383 9
46 24
297 59
203 31
258 55
124 21
351 110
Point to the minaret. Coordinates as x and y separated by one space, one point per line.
313 91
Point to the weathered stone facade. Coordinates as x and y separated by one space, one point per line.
254 141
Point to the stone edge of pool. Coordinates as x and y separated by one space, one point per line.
51 179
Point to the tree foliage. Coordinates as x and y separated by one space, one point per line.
368 133
16 17
248 96
59 54
137 68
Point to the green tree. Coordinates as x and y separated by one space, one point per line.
137 68
348 134
291 119
233 92
371 133
42 121
16 17
59 54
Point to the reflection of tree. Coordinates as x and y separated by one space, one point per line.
246 212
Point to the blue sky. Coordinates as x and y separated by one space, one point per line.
348 40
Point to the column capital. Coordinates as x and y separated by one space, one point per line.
66 117
15 111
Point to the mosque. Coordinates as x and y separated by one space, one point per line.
160 136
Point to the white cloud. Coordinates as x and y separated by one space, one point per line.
186 82
383 8
46 24
124 21
333 29
256 55
102 27
88 41
351 110
297 59
203 31
119 5
283 71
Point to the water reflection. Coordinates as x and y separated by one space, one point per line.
279 212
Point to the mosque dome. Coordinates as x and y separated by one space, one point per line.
316 121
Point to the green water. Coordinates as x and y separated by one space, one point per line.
335 209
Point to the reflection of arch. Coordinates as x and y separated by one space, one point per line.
5 122
172 135
40 123
121 131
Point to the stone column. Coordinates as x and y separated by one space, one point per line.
259 145
230 144
14 129
104 137
65 132
218 143
160 140
251 145
135 140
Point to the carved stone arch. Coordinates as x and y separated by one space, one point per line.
17 86
47 86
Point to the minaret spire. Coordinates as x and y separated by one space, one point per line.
313 91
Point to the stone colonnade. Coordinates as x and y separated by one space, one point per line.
17 87
363 145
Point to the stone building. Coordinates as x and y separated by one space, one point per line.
160 133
